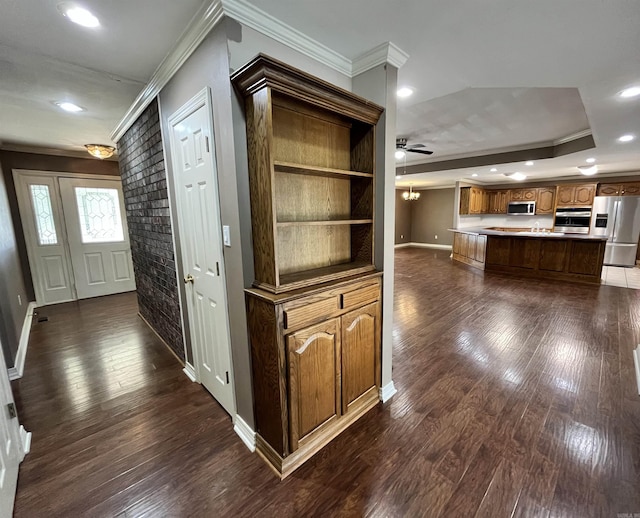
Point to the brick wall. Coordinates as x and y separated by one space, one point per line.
144 183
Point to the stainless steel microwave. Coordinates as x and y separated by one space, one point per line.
521 208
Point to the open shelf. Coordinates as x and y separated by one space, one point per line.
324 222
312 167
288 167
324 274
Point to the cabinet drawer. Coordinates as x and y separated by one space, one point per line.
360 296
310 312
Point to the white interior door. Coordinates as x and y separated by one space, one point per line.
45 235
98 236
11 449
195 178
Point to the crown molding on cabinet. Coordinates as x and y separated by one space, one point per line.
383 53
210 14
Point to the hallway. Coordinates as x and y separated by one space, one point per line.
514 399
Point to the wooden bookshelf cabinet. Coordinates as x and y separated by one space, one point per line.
314 309
311 165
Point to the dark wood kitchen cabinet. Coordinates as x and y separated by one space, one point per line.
523 194
469 248
575 195
570 258
497 202
619 189
545 200
472 200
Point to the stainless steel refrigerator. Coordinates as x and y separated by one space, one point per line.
617 218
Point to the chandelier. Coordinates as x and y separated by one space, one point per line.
410 195
100 151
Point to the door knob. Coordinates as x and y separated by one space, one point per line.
189 279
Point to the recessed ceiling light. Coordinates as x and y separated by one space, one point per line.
78 15
626 138
399 154
69 107
494 170
590 160
474 174
405 91
529 162
588 170
398 177
634 91
516 176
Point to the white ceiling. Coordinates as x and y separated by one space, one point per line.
460 48
477 119
487 75
45 58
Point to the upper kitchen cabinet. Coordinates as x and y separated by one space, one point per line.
545 200
619 189
472 200
311 154
575 195
523 194
498 202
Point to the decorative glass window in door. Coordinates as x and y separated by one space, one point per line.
99 212
43 214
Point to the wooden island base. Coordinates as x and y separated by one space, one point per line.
572 258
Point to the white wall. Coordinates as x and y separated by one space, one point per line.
245 43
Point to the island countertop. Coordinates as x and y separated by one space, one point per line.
567 257
525 232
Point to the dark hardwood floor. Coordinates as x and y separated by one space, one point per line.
515 398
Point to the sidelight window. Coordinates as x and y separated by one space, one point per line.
43 212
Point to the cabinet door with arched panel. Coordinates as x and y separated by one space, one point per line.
360 353
314 380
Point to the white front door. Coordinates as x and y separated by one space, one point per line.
98 236
45 235
76 234
11 449
195 180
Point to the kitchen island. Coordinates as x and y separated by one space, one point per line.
526 253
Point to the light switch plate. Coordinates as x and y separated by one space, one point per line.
226 235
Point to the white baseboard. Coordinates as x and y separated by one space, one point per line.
190 371
636 361
387 392
402 245
430 245
25 438
17 370
245 433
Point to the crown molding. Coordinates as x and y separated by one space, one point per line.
383 53
210 14
261 21
573 136
205 19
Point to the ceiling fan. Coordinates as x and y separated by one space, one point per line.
401 148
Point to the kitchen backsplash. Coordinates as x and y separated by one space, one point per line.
503 220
